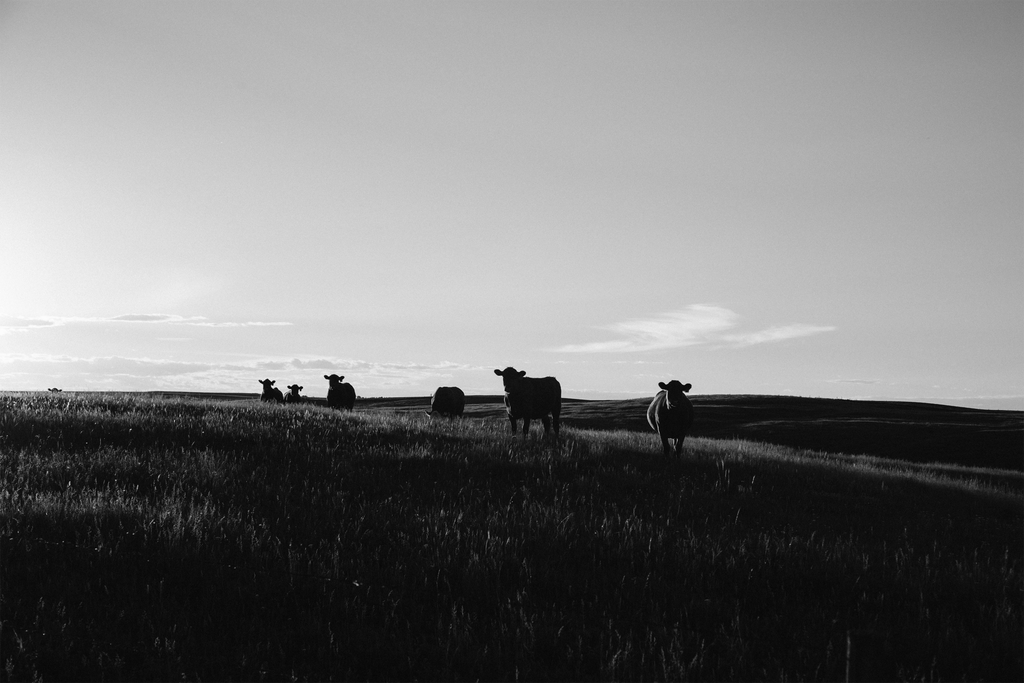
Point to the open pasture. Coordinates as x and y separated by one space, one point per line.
900 430
920 432
150 538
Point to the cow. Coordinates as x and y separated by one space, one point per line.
531 397
447 402
54 390
270 392
293 394
340 394
671 414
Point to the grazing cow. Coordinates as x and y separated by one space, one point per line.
671 414
270 392
54 390
340 394
293 394
530 397
447 402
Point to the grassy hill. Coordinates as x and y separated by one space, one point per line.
903 430
151 538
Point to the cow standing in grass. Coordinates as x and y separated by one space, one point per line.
340 395
447 402
270 392
671 414
293 394
530 398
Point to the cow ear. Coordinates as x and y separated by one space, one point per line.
522 373
273 381
300 388
498 373
341 378
327 376
686 387
663 386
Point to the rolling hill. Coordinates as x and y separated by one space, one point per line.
918 432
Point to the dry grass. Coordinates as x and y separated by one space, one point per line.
155 539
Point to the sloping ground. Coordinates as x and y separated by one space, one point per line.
920 432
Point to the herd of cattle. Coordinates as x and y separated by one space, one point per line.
527 398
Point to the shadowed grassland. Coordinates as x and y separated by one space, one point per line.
158 539
900 430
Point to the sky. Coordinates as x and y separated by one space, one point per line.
816 199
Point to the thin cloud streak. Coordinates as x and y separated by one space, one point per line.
775 334
120 373
853 381
693 325
149 318
10 324
245 324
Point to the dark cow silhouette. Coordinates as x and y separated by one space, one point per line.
447 402
671 414
529 398
54 390
340 394
270 392
293 394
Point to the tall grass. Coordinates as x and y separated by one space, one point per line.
156 539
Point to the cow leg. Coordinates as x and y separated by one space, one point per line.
513 421
679 446
665 446
526 426
554 421
547 424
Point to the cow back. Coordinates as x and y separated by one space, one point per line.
448 401
534 397
341 396
671 422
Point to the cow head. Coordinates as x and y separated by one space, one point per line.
675 392
510 377
335 380
268 384
295 389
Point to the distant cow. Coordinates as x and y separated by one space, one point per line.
447 402
54 390
671 414
340 394
270 392
529 398
293 394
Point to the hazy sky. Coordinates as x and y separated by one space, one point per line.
821 199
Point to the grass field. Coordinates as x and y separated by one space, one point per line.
147 538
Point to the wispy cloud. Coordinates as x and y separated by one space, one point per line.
16 324
774 334
11 324
695 324
143 318
250 323
853 381
692 325
120 373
